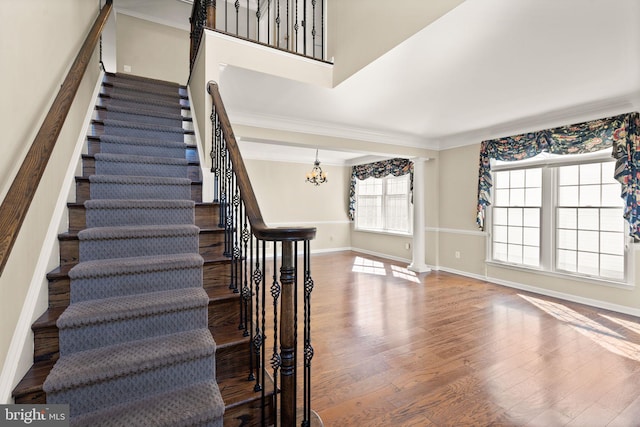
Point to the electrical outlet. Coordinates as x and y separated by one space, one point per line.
457 254
407 246
127 68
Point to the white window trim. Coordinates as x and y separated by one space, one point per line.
409 233
547 161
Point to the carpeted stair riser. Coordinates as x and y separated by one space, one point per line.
110 278
137 188
119 91
104 322
115 128
163 410
122 242
139 117
172 149
113 213
148 102
124 372
133 103
130 165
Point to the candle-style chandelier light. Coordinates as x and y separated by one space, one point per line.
316 176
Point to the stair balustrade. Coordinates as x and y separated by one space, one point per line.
256 250
296 26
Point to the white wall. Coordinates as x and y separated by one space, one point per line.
152 50
359 31
285 199
38 42
457 232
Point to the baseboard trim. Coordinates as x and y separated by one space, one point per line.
21 345
547 292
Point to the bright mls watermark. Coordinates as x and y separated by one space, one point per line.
34 415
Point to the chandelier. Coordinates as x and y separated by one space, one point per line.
316 176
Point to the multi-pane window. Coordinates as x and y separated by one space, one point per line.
590 227
559 217
516 216
382 204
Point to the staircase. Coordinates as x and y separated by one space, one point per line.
142 287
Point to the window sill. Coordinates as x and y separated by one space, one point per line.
384 232
560 275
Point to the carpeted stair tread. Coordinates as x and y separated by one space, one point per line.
132 241
128 232
125 158
139 187
101 364
129 164
144 80
134 265
107 278
132 98
143 126
199 404
131 306
122 212
144 112
114 139
144 88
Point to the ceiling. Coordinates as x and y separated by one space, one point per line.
487 68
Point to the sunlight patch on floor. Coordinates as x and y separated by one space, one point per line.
403 273
363 265
600 334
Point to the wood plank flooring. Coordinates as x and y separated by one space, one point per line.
397 349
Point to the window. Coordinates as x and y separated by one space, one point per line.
383 204
516 216
590 227
555 214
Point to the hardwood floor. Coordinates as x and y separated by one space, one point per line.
396 349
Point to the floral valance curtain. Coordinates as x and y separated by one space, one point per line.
395 167
619 132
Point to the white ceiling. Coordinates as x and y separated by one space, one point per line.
488 68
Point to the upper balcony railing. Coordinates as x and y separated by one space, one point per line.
296 26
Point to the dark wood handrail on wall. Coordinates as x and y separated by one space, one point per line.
259 228
16 204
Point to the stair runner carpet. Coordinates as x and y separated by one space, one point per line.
135 348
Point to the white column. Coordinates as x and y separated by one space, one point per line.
418 265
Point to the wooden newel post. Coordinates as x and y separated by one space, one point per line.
288 337
211 14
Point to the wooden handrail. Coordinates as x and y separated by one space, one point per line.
16 204
259 228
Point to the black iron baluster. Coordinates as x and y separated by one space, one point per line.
258 21
235 238
237 6
278 23
287 36
256 342
308 349
322 28
246 291
248 18
276 361
296 26
222 209
313 26
228 225
263 354
304 27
